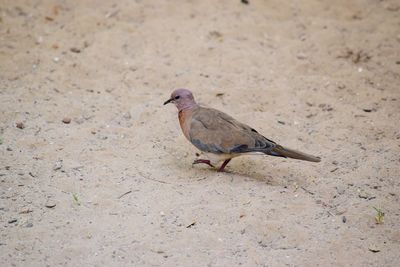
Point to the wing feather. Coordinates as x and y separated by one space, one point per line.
216 132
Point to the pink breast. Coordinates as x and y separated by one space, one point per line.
184 121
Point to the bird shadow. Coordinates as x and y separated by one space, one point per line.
272 177
265 178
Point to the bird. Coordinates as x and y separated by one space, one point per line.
221 137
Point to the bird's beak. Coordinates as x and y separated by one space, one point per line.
168 101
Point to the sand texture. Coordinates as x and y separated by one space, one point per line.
95 171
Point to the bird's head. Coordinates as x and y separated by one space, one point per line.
182 98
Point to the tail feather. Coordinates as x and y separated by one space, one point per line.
281 151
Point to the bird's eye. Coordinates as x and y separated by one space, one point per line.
177 97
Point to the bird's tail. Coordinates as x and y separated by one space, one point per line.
281 151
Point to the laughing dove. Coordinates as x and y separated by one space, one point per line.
222 137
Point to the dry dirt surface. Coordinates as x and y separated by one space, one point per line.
94 170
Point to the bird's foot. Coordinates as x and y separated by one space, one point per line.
205 161
221 169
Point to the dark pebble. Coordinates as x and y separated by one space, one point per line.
50 205
75 50
20 125
368 109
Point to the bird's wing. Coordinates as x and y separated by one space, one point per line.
216 132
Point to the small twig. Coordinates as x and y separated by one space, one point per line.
308 191
124 194
38 131
190 225
155 180
75 198
111 14
26 211
148 178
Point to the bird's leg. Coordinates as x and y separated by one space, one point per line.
205 161
221 169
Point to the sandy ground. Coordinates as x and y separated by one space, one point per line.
116 187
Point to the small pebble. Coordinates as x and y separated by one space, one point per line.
75 50
58 165
301 56
50 205
340 189
20 125
127 116
344 220
66 120
39 40
368 109
374 249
